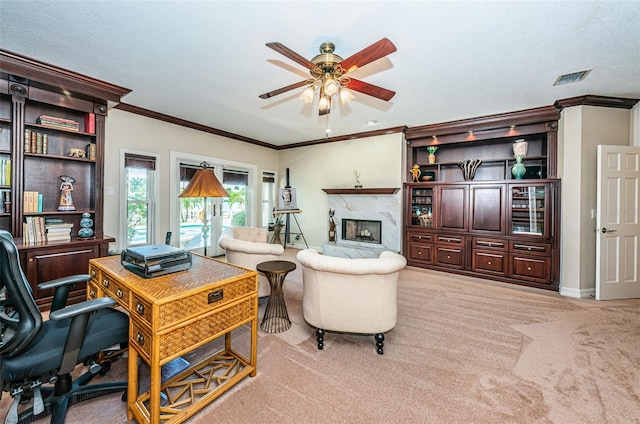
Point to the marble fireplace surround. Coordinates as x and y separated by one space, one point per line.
375 204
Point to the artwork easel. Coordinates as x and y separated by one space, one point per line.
279 215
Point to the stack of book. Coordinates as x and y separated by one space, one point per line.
35 142
33 230
57 230
32 201
61 123
5 171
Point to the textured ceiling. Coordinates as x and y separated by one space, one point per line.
206 61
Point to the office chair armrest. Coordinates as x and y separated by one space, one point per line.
81 308
62 287
79 314
70 280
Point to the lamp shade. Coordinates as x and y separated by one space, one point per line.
204 184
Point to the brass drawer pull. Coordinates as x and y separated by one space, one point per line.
105 282
488 262
119 293
528 268
140 308
93 273
140 338
92 294
529 248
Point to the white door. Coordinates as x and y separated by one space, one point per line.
617 225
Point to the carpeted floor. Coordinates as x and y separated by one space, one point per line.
464 351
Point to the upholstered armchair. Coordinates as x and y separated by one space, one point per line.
350 295
247 247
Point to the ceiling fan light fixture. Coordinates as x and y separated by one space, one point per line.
324 105
331 86
346 95
308 94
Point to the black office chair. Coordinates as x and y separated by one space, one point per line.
37 357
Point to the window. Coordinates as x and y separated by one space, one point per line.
140 185
268 197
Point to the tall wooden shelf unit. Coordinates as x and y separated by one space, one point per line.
493 226
29 89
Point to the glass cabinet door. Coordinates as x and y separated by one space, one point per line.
528 209
422 207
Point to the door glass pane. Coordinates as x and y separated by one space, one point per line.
234 207
528 209
138 195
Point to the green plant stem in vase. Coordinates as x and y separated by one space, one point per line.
432 153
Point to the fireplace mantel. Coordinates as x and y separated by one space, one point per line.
367 191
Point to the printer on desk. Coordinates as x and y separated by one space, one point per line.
155 259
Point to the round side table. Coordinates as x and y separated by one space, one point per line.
276 318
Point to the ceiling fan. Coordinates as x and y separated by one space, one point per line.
329 74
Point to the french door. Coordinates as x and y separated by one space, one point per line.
201 220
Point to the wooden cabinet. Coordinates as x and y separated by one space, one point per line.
494 225
52 124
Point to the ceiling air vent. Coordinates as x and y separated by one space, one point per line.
572 77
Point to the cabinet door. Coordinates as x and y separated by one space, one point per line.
51 263
529 210
487 211
452 210
421 199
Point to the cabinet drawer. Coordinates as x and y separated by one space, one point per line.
201 303
141 308
528 248
448 239
489 244
141 339
450 257
420 252
536 269
420 237
93 291
489 262
115 290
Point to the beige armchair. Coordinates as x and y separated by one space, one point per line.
247 247
350 295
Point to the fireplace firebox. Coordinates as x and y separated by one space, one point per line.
361 230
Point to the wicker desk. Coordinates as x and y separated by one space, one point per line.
173 314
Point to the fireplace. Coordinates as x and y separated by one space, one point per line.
362 230
368 221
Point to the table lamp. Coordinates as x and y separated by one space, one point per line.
204 184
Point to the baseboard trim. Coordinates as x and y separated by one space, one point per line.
577 293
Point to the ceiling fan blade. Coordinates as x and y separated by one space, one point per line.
284 89
285 51
369 54
370 89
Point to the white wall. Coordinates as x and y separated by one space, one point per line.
582 129
135 132
331 165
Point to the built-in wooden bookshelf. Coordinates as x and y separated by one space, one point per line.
52 124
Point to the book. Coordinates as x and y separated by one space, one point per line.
91 151
90 123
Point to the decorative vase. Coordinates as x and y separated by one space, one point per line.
520 147
432 153
85 226
518 169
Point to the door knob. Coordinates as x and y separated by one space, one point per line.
604 230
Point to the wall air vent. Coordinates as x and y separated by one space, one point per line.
572 77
